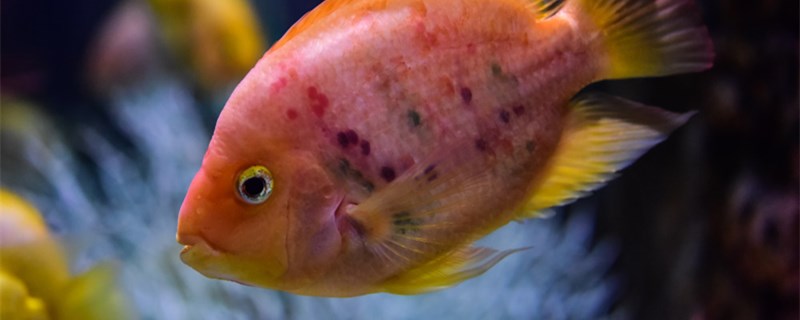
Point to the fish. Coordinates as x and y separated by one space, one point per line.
377 140
35 279
217 41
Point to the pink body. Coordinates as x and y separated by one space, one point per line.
350 104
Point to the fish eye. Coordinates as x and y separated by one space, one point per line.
255 184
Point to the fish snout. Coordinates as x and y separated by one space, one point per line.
195 213
188 232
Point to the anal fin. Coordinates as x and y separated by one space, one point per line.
603 135
446 270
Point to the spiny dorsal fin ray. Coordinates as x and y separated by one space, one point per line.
545 8
604 134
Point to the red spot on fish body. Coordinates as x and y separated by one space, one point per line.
466 95
278 85
352 136
347 138
427 39
505 116
471 49
519 110
365 147
291 114
481 144
319 102
388 174
341 137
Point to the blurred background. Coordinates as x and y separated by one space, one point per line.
107 106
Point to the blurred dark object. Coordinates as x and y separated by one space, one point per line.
45 44
709 220
750 267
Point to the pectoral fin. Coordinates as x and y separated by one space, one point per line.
400 219
415 222
545 8
604 134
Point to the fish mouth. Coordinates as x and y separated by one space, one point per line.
195 247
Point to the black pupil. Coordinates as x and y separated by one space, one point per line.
254 186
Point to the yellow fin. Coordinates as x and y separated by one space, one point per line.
415 222
94 295
446 270
545 8
603 135
425 199
648 38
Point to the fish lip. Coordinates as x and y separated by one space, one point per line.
198 242
202 257
189 240
186 248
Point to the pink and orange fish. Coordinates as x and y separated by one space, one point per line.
378 139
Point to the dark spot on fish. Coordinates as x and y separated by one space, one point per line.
402 218
466 95
481 144
291 114
341 137
429 173
403 222
519 110
388 174
505 116
319 101
357 176
352 136
530 146
496 70
368 185
413 118
365 148
344 166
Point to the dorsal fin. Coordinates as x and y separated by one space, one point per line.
604 134
545 8
646 38
323 10
311 18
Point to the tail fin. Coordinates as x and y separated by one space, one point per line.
646 38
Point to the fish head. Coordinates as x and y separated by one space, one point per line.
261 209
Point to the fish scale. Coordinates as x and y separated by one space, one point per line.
445 115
